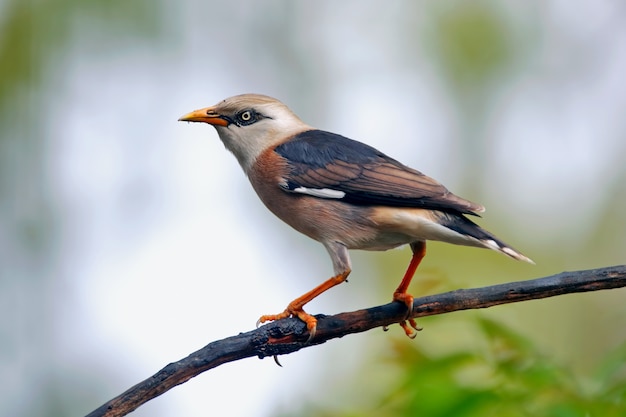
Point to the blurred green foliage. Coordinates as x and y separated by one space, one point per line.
508 376
471 42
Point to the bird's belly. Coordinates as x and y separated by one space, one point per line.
381 242
327 220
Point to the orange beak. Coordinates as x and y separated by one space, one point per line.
206 115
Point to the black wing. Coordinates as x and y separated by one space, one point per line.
329 165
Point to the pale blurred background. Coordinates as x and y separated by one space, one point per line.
129 240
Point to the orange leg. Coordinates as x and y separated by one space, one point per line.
294 309
401 295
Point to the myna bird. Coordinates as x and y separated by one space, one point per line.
342 193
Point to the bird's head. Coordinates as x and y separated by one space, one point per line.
248 124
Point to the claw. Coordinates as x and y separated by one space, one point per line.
309 320
277 361
411 328
408 329
312 331
414 325
274 317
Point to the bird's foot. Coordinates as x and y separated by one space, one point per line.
309 320
409 325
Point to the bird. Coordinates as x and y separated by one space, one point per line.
342 193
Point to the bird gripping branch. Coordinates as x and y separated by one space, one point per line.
342 193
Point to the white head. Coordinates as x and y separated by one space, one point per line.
249 123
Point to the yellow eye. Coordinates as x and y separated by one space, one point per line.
246 116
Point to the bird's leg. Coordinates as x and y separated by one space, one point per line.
294 309
341 265
401 295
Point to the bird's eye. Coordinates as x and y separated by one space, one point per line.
247 117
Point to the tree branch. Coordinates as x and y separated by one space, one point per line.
289 335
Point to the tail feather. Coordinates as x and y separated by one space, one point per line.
502 247
461 224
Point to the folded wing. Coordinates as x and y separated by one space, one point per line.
327 165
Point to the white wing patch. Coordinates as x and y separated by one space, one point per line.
320 192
